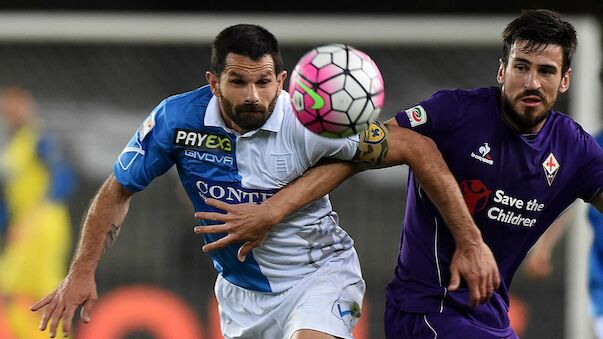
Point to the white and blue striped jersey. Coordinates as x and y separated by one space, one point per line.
214 161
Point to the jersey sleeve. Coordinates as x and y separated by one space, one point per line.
312 147
318 147
433 116
591 173
148 154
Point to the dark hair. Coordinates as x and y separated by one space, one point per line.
540 28
252 41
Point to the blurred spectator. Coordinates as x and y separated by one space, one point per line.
36 182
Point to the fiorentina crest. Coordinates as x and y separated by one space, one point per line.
551 167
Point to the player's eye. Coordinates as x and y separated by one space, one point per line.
547 71
237 81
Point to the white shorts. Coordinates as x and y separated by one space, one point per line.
327 300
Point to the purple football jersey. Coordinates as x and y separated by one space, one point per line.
514 185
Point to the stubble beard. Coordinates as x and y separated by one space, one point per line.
530 118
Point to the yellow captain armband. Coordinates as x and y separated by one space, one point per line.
373 147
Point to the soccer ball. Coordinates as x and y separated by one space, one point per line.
336 90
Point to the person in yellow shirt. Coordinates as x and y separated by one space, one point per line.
36 182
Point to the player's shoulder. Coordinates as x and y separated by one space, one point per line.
182 106
562 125
472 94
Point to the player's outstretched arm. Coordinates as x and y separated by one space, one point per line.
99 231
473 260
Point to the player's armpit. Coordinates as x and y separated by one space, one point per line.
598 202
373 145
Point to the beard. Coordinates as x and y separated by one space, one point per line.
248 116
531 117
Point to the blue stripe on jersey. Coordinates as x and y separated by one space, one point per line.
205 156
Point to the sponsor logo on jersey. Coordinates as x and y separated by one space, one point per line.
551 168
510 209
476 195
416 115
484 154
224 159
504 208
202 140
146 126
231 193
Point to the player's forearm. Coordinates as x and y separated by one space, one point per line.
425 160
444 192
101 225
315 183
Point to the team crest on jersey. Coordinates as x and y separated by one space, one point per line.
146 126
416 115
551 168
484 154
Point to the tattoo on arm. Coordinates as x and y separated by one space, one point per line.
111 237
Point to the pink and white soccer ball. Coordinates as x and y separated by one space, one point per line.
336 90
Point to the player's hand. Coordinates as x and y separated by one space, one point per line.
538 264
248 223
60 305
476 264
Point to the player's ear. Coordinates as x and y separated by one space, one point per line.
565 81
500 75
214 82
280 78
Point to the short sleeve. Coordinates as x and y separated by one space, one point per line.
148 154
432 116
591 174
312 147
318 147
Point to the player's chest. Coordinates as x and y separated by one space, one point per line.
512 182
262 157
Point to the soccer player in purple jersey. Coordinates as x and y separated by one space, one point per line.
519 164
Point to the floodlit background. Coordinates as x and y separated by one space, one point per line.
94 86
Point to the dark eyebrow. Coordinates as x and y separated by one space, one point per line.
234 74
526 61
238 75
547 67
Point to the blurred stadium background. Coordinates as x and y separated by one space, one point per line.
95 76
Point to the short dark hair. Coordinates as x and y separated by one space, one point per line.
248 40
540 28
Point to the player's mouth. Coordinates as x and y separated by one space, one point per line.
531 101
